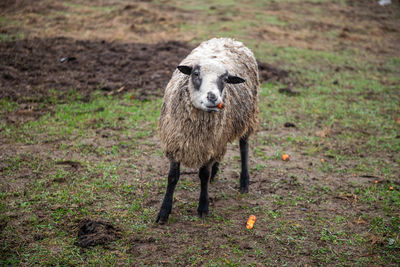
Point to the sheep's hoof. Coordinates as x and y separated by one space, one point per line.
202 209
162 217
202 214
160 220
244 190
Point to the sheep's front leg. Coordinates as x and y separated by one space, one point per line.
244 156
166 207
204 175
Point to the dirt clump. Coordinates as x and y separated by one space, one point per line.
269 72
92 233
289 91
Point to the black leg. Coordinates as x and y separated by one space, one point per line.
214 171
244 174
204 174
166 206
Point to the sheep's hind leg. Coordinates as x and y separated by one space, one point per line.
244 156
204 175
214 171
166 207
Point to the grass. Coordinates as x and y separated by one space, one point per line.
8 33
83 119
308 211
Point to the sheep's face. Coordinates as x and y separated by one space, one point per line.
206 84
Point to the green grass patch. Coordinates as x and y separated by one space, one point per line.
83 119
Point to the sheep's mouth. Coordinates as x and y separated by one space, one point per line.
208 108
212 108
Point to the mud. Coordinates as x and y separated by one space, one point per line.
34 70
92 233
269 72
38 68
288 91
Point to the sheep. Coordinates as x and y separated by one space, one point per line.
193 127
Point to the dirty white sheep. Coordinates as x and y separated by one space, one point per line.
210 100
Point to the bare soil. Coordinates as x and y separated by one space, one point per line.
35 69
116 20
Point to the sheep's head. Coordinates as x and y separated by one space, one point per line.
206 84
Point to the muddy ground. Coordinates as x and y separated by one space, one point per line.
36 68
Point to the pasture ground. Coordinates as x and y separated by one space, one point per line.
82 175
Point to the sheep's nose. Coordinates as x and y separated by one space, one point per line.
211 97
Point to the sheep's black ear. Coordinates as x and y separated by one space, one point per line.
185 69
235 79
